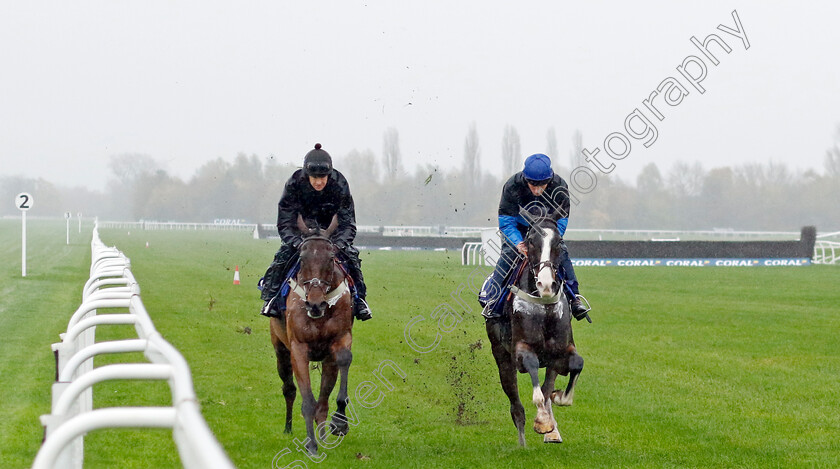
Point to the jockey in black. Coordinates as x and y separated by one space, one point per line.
536 189
317 192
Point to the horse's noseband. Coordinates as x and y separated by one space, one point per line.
315 283
542 265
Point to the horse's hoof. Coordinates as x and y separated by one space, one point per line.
339 429
543 428
552 437
560 400
287 430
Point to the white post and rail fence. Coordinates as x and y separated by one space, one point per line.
113 290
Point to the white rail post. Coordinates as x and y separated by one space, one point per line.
112 285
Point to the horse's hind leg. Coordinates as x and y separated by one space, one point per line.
507 376
575 367
284 369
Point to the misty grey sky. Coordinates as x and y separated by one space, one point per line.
189 81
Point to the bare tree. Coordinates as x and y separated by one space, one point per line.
472 157
359 167
391 156
128 167
511 151
649 180
832 158
551 148
576 156
686 180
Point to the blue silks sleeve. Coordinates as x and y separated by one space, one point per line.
562 224
508 226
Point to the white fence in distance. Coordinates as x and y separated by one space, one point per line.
486 252
472 254
826 252
112 287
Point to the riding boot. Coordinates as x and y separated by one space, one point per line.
578 310
361 310
272 282
566 272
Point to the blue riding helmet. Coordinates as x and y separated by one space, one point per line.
538 169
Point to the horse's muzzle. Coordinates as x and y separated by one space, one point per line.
549 291
316 311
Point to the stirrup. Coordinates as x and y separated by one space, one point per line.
583 300
361 310
488 313
484 294
267 309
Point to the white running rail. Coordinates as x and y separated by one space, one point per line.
472 254
112 287
826 252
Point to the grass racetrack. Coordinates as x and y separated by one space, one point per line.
685 366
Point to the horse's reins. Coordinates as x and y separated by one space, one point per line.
542 265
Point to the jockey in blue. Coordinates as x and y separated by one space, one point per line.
536 185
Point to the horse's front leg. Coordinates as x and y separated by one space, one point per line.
329 375
527 360
343 358
548 386
300 366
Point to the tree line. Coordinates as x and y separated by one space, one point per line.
686 196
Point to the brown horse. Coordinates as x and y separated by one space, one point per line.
317 327
537 333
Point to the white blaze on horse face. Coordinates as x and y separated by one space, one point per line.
545 277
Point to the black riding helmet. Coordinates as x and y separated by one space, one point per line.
317 162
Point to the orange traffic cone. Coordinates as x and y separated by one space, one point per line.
236 276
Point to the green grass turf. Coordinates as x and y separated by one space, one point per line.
685 367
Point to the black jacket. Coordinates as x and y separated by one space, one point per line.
516 195
299 197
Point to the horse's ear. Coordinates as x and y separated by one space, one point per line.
332 227
556 215
302 224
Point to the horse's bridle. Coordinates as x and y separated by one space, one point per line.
316 282
535 270
542 265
